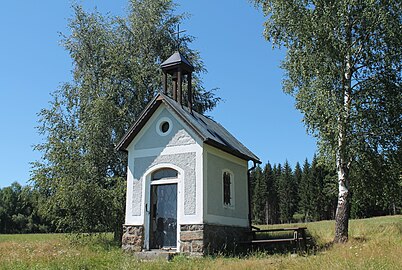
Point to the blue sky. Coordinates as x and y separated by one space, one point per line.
228 34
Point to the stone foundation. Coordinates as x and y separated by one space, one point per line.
133 238
192 239
195 239
202 239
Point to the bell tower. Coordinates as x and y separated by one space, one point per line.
175 69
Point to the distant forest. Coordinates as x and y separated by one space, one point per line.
307 193
20 211
280 194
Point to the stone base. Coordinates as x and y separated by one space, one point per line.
202 239
133 238
195 239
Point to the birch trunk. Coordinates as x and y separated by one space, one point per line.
342 164
342 210
342 159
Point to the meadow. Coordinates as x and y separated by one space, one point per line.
375 243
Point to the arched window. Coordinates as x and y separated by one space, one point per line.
164 173
228 189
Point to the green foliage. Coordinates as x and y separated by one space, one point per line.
314 196
19 211
272 200
376 190
259 196
322 39
287 190
306 192
323 191
298 173
344 67
116 72
289 196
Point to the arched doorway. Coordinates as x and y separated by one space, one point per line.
163 209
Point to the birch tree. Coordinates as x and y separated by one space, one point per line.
343 66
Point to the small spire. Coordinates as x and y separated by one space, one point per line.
178 36
178 67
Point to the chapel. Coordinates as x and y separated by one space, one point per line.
188 184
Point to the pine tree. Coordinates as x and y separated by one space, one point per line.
271 202
298 178
287 196
259 196
276 175
305 192
277 170
317 181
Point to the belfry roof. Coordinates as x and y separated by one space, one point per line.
177 59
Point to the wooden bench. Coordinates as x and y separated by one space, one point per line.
299 237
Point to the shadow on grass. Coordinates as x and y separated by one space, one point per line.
246 250
274 248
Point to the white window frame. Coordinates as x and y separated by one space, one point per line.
159 124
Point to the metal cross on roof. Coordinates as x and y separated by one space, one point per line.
178 36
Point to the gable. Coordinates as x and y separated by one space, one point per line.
152 134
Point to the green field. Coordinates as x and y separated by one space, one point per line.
375 243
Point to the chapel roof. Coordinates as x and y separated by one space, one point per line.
211 132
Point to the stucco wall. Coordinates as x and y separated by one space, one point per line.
214 201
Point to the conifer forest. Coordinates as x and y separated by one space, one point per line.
308 192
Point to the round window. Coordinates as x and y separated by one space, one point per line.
164 126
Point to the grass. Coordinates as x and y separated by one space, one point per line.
375 243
